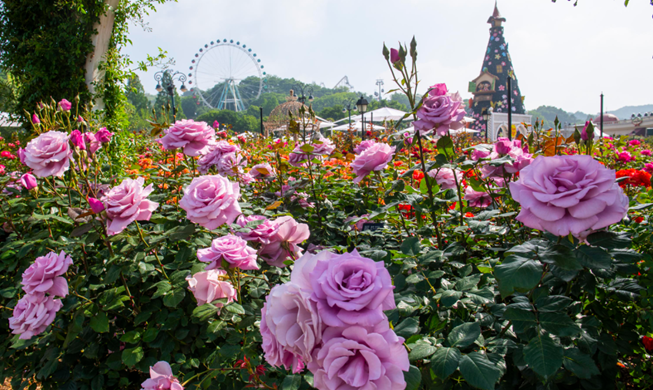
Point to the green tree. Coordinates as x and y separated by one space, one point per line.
333 113
136 94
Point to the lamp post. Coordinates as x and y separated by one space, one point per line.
166 80
361 104
637 119
487 115
347 106
302 90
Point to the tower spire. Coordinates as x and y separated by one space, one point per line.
496 19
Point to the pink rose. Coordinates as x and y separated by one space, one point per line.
634 142
645 152
210 285
323 146
45 275
394 56
263 170
625 157
438 90
103 135
374 158
35 119
214 153
478 154
92 141
48 154
285 242
568 194
127 203
96 205
360 358
351 290
211 201
359 224
445 178
161 378
77 139
65 105
476 198
33 314
21 155
298 158
28 181
363 146
648 167
442 112
230 248
194 137
505 147
229 164
261 233
291 327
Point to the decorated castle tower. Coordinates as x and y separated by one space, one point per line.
490 88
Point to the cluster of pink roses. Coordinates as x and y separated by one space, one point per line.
321 147
505 147
161 378
42 281
371 157
330 318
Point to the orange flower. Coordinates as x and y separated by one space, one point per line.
635 178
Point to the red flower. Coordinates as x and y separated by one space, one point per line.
648 343
469 215
418 176
635 178
7 154
639 219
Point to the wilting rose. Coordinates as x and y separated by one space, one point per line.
45 275
568 194
440 112
351 290
360 358
127 203
211 201
476 198
28 181
445 178
48 154
33 314
65 105
194 137
230 248
285 242
373 159
210 285
261 233
263 170
298 158
161 378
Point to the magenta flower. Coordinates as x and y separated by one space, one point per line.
583 133
211 201
645 152
161 378
373 159
360 148
440 112
262 233
357 357
505 147
476 198
127 203
625 157
35 119
438 90
445 178
394 56
216 125
92 141
478 154
194 137
568 194
45 275
48 154
263 170
230 248
77 139
285 243
103 135
65 105
648 167
96 205
33 314
634 142
211 285
28 181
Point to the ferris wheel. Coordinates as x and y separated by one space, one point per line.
226 75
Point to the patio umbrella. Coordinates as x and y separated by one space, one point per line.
382 114
357 127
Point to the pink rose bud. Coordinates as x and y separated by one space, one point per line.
35 119
77 139
583 133
216 124
28 181
103 135
65 105
438 90
80 119
394 56
96 205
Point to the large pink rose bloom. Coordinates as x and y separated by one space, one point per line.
263 170
161 378
32 314
285 243
568 194
261 233
292 319
440 112
445 178
44 275
351 290
374 158
210 285
211 201
48 154
127 203
360 358
230 248
193 137
323 146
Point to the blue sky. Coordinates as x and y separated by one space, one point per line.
563 55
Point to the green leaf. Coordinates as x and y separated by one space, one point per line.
479 371
100 322
235 308
593 257
291 382
413 378
561 256
464 335
552 303
81 230
580 364
450 297
559 324
445 361
467 283
420 351
411 246
174 298
205 311
445 144
609 240
521 320
518 274
407 327
182 233
215 326
131 337
131 356
543 356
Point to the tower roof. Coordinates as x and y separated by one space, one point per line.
496 17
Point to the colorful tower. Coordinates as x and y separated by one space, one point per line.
490 88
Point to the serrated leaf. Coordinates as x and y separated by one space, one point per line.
593 257
518 274
464 335
521 320
559 324
579 363
182 233
450 297
445 361
173 299
467 283
291 382
609 240
235 308
420 351
407 327
205 311
552 303
479 371
543 356
131 337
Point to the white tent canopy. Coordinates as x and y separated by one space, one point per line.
357 126
382 114
6 121
463 130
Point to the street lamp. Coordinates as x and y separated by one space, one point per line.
303 91
361 104
166 80
487 115
347 106
636 119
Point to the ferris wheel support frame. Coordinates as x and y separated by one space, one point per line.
231 87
